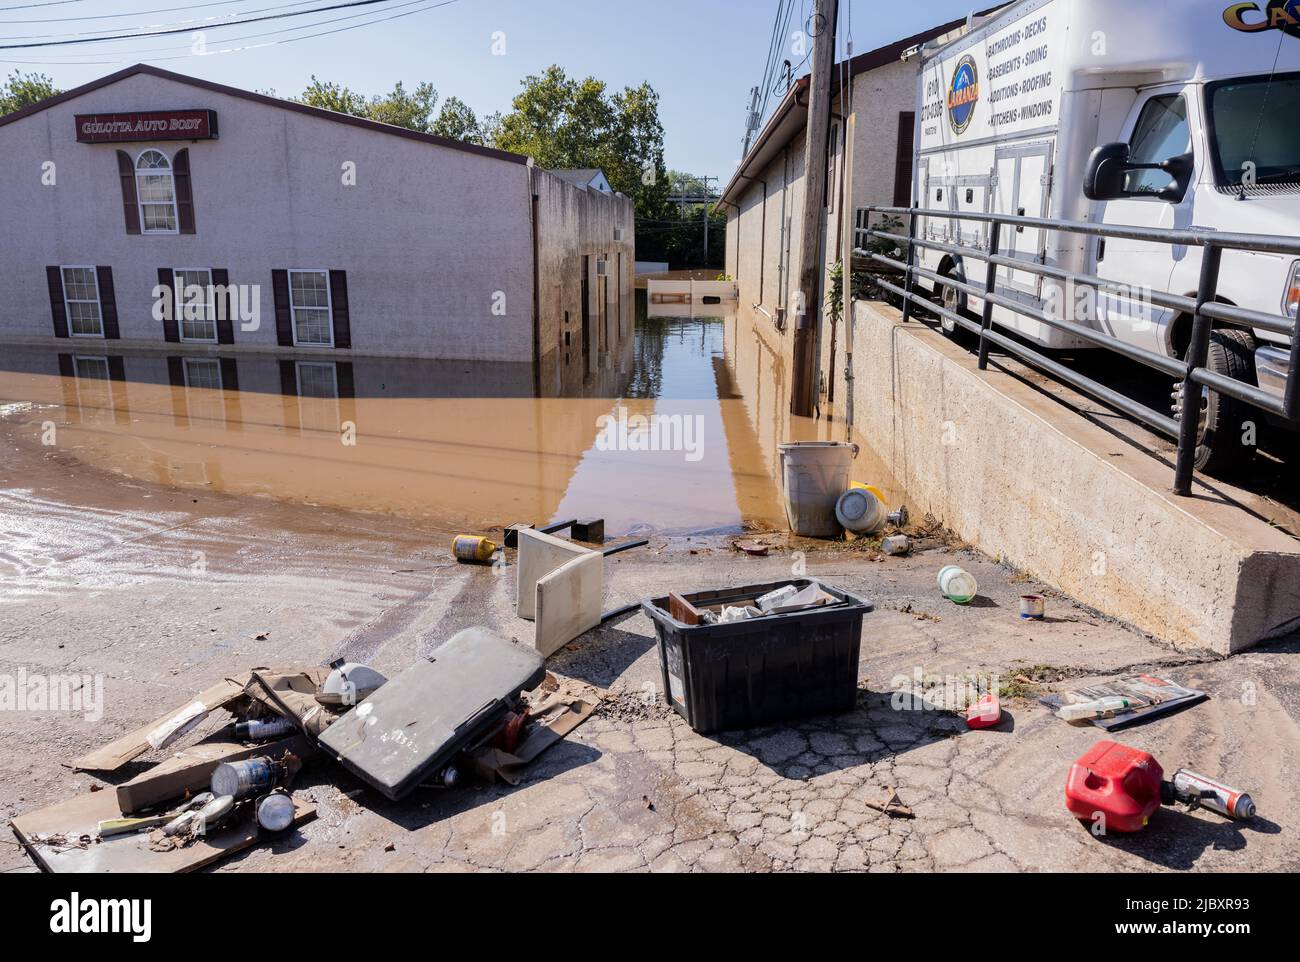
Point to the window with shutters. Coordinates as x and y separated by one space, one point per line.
81 300
309 303
203 398
195 304
155 189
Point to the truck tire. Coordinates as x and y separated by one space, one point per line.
1220 448
954 300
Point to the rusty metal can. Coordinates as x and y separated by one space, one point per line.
1216 796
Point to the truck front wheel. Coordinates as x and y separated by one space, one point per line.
1226 436
952 299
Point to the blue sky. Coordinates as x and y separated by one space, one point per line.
702 56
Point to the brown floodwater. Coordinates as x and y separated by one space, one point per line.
466 446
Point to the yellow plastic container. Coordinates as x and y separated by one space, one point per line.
861 486
471 549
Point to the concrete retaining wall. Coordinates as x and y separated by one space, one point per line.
1022 477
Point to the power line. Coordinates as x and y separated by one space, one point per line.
136 51
258 46
146 13
175 30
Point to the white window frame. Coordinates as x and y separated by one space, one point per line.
210 304
85 403
153 172
213 362
293 309
98 301
334 373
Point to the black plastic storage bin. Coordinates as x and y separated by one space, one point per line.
747 673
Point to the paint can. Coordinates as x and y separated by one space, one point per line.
243 778
957 584
275 812
1033 607
1198 790
471 549
896 544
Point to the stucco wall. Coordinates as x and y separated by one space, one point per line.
754 244
428 235
571 224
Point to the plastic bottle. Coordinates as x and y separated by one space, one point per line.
1101 708
957 584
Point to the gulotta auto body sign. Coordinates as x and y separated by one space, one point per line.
1281 15
149 125
963 94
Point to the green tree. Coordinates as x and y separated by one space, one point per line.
457 121
562 122
23 90
413 110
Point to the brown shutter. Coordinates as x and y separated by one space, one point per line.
171 322
176 377
59 310
339 302
108 303
225 307
289 394
903 159
230 393
184 192
283 318
130 209
117 381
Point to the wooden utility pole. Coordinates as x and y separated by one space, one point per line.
808 308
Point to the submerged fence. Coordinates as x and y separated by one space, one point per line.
1203 310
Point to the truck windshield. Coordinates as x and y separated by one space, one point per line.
1256 136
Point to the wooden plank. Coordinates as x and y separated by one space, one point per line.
80 816
115 754
191 769
682 610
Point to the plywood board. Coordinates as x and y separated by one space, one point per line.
115 754
80 816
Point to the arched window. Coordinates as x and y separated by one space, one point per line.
156 191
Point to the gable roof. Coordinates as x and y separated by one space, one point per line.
791 113
318 112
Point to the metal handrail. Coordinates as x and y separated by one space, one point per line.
1203 310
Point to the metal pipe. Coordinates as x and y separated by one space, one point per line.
1189 415
990 281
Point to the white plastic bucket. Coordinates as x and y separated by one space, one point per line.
814 475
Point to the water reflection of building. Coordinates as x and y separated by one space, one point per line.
452 441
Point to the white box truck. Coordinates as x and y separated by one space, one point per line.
1011 114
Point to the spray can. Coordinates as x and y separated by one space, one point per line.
1196 789
241 779
471 549
255 730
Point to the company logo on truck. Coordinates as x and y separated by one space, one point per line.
1281 15
963 94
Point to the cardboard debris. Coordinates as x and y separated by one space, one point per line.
117 753
61 838
191 769
291 692
552 716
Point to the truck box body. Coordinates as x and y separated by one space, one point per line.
1011 111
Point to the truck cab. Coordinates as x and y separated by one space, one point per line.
1177 114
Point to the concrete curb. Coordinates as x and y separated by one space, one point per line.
1022 477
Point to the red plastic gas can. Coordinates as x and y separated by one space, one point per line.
1121 783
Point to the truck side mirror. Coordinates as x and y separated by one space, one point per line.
1180 169
1103 178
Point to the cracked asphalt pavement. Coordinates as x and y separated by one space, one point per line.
163 591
